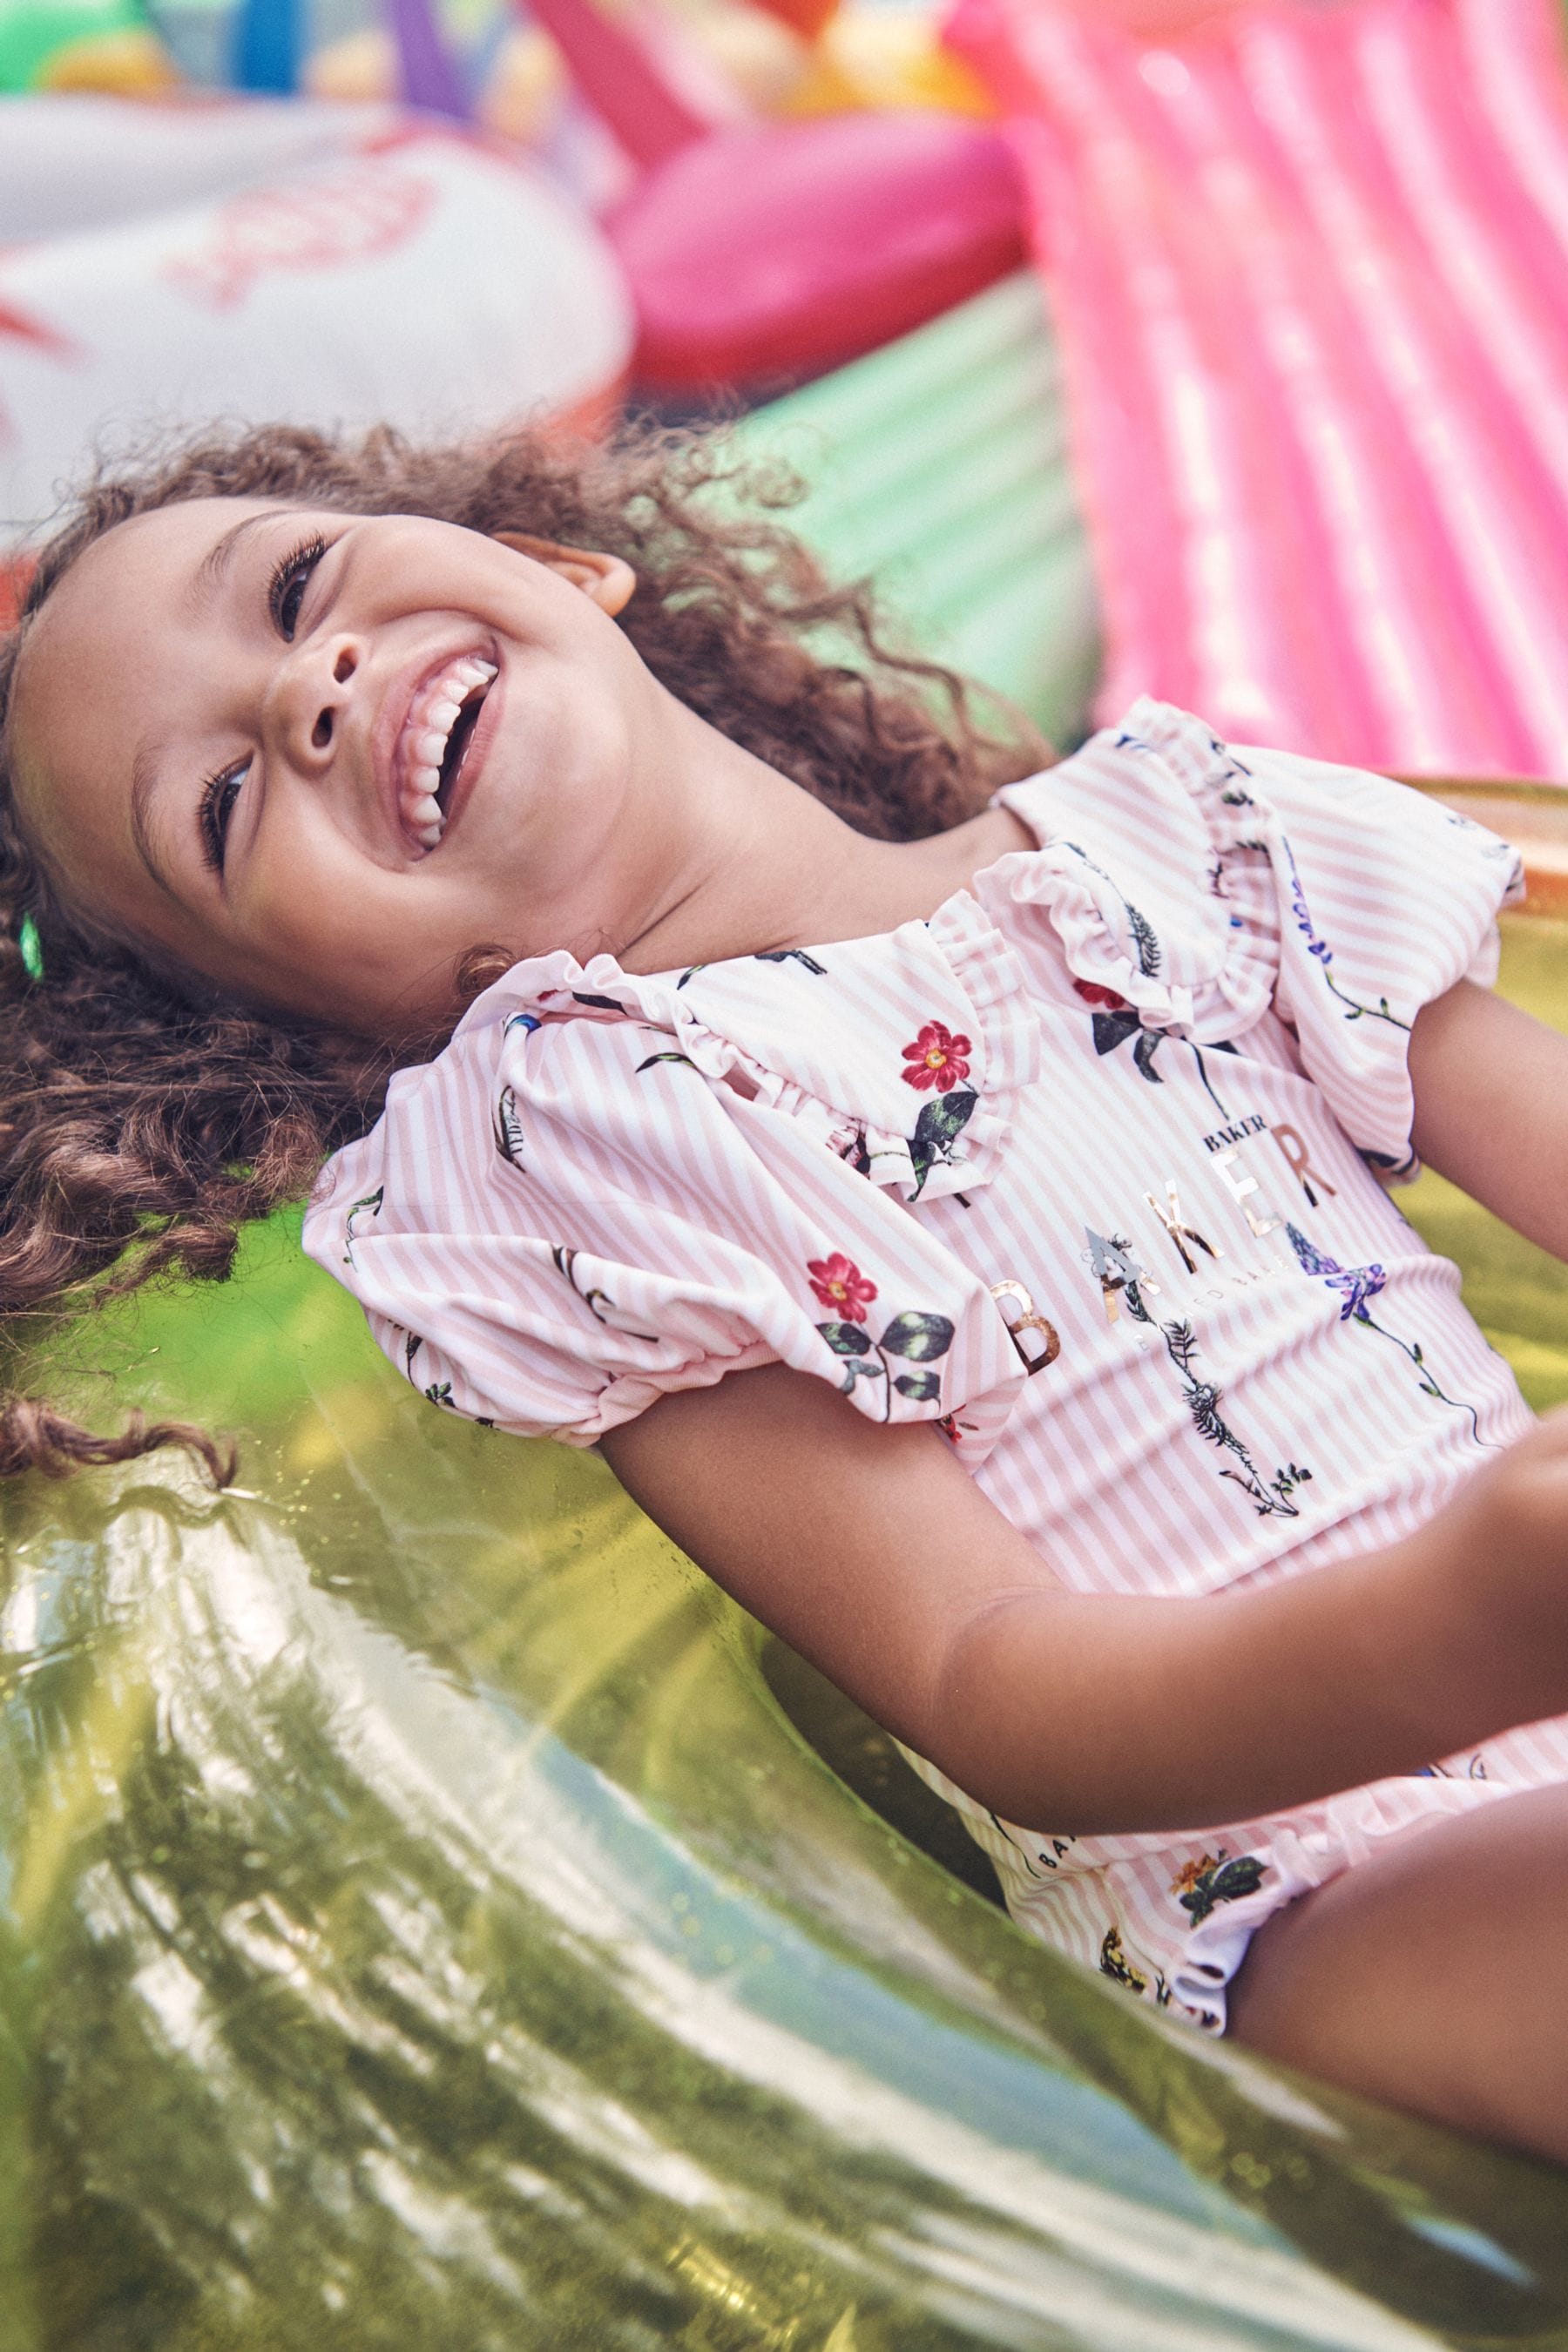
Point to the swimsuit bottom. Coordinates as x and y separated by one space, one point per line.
1170 1916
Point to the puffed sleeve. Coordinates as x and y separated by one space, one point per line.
1201 884
552 1226
1385 901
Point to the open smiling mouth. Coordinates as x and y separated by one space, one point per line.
434 742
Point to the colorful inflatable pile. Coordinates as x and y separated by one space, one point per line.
491 61
326 265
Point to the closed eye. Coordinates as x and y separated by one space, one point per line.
215 810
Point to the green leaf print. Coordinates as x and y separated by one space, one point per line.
1213 1880
915 1335
508 1128
918 1336
938 1127
845 1338
791 955
1118 1272
371 1205
1113 1029
664 1057
1143 1054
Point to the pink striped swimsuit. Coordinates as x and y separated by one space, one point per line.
1089 1168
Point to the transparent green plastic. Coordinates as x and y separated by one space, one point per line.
423 1927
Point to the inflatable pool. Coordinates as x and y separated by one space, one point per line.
434 1918
938 466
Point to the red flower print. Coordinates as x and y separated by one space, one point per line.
841 1287
937 1058
1104 1000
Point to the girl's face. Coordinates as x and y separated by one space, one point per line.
316 757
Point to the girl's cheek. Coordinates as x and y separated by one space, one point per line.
305 915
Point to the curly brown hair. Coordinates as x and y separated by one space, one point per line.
142 1123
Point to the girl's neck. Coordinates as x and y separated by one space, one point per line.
759 865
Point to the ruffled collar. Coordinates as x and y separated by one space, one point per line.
1161 893
904 1051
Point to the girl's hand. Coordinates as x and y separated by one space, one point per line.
873 1553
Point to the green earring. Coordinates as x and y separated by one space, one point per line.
32 949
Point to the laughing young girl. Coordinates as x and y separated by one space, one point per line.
963 1222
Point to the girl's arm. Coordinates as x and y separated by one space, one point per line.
873 1552
1491 1109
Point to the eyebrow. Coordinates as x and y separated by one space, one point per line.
202 591
144 767
214 568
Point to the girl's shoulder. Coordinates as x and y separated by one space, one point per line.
872 1048
612 1185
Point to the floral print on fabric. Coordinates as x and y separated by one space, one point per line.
1115 1021
1319 948
599 1303
916 1338
1115 1964
938 1115
933 1144
1355 1285
508 1128
1212 1879
1145 944
937 1131
937 1058
369 1205
1120 1275
839 1283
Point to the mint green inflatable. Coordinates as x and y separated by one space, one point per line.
939 468
34 32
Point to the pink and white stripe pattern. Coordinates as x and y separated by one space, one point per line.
1310 267
1078 1168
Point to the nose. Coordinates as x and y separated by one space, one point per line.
310 694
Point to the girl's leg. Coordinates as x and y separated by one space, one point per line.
1434 1976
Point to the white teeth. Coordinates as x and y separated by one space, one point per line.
425 741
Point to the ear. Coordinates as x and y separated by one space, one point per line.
607 580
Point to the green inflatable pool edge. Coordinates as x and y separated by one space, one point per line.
938 466
423 1925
